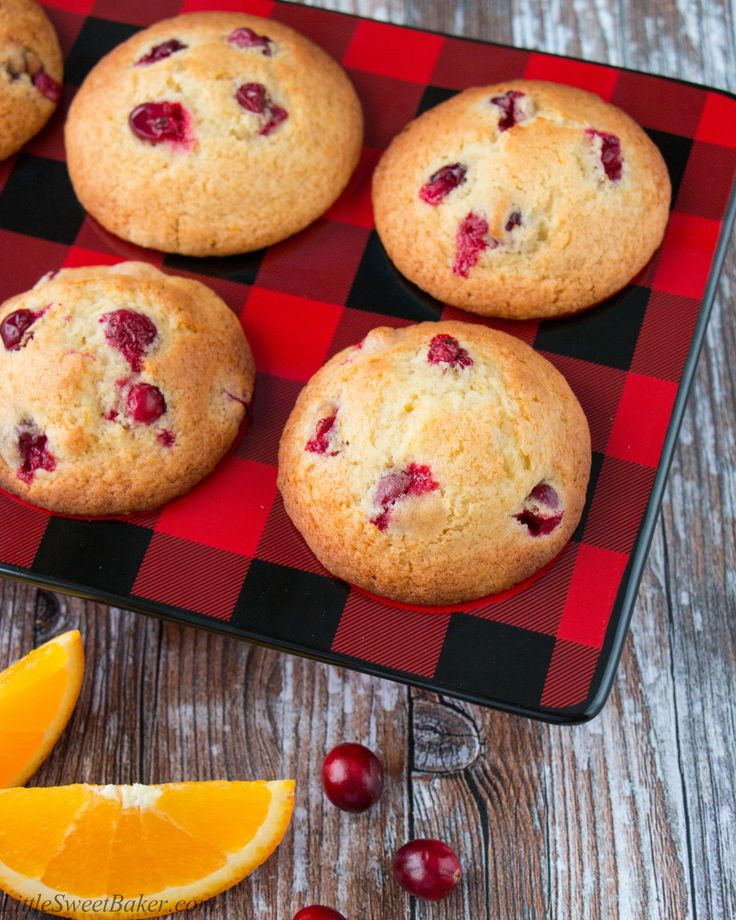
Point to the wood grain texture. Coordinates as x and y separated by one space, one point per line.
629 817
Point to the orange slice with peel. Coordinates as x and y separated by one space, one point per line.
136 851
37 696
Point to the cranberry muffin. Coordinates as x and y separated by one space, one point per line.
213 134
120 388
437 463
524 199
31 71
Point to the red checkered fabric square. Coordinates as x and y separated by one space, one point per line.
382 639
386 111
354 206
78 256
538 604
165 576
718 121
330 32
228 510
21 531
297 265
255 7
227 550
596 78
615 513
462 63
135 11
29 262
49 142
591 595
707 181
289 335
381 48
282 543
642 419
665 336
68 19
686 255
655 102
73 6
599 390
569 676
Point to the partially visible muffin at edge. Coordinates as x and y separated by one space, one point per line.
31 71
213 134
522 199
435 464
120 388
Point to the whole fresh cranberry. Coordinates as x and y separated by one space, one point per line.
159 122
14 327
352 777
318 912
252 97
146 403
427 869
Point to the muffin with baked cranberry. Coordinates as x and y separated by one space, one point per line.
120 388
523 199
437 463
31 71
213 134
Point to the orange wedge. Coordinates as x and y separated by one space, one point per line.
37 696
136 851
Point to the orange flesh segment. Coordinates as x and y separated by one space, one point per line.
180 858
17 749
133 869
206 812
35 706
37 696
82 860
36 666
31 832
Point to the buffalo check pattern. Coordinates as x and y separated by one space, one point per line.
226 554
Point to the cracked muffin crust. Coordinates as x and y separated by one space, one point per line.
523 199
213 134
31 71
120 388
437 463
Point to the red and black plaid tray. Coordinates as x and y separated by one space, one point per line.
226 556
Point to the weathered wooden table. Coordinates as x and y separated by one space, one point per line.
630 816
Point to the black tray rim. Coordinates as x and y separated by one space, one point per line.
612 648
